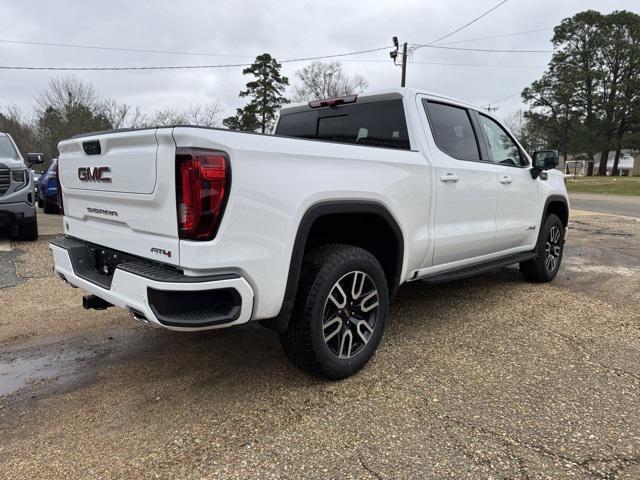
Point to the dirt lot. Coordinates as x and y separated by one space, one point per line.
486 378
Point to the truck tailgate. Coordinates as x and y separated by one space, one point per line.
119 192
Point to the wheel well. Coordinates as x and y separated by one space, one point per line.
369 231
367 225
560 209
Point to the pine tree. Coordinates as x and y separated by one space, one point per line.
266 94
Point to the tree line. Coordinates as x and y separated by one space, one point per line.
587 102
70 106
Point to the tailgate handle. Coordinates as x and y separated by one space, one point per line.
92 147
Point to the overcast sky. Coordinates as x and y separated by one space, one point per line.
242 29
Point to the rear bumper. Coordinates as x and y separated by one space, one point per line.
160 296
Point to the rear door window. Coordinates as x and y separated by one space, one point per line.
453 130
377 124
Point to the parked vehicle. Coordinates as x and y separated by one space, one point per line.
17 194
48 189
310 230
36 176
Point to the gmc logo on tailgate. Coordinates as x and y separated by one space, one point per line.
95 174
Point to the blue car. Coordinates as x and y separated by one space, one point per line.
48 189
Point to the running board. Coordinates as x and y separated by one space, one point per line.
466 272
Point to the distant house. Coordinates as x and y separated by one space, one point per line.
628 163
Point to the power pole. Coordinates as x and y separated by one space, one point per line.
394 56
489 108
404 65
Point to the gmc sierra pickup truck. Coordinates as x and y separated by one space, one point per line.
310 230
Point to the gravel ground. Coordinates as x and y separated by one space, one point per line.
486 378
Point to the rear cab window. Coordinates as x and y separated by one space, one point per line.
376 124
453 130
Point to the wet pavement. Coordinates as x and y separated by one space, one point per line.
490 377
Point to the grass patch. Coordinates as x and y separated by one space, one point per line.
604 185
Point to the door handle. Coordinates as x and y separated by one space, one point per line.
506 180
449 177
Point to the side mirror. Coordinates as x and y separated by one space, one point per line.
544 160
35 158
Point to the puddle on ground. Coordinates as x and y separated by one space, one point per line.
18 372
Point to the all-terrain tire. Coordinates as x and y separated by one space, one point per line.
306 342
549 251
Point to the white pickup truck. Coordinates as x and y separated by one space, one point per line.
310 230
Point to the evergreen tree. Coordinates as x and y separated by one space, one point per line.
265 93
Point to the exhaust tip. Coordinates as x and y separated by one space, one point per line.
139 316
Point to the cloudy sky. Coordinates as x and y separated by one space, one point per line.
236 31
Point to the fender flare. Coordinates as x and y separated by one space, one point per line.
280 322
553 199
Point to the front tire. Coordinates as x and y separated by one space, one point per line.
549 251
28 231
340 311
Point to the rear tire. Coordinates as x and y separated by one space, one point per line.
28 231
339 313
47 206
549 250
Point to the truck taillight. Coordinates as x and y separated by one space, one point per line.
203 180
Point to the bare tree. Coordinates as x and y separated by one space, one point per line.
65 93
326 80
526 130
197 114
205 115
165 118
122 115
517 123
117 113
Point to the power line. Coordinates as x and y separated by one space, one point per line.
208 54
497 36
495 106
418 62
467 24
501 100
120 49
174 52
493 50
230 65
186 67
